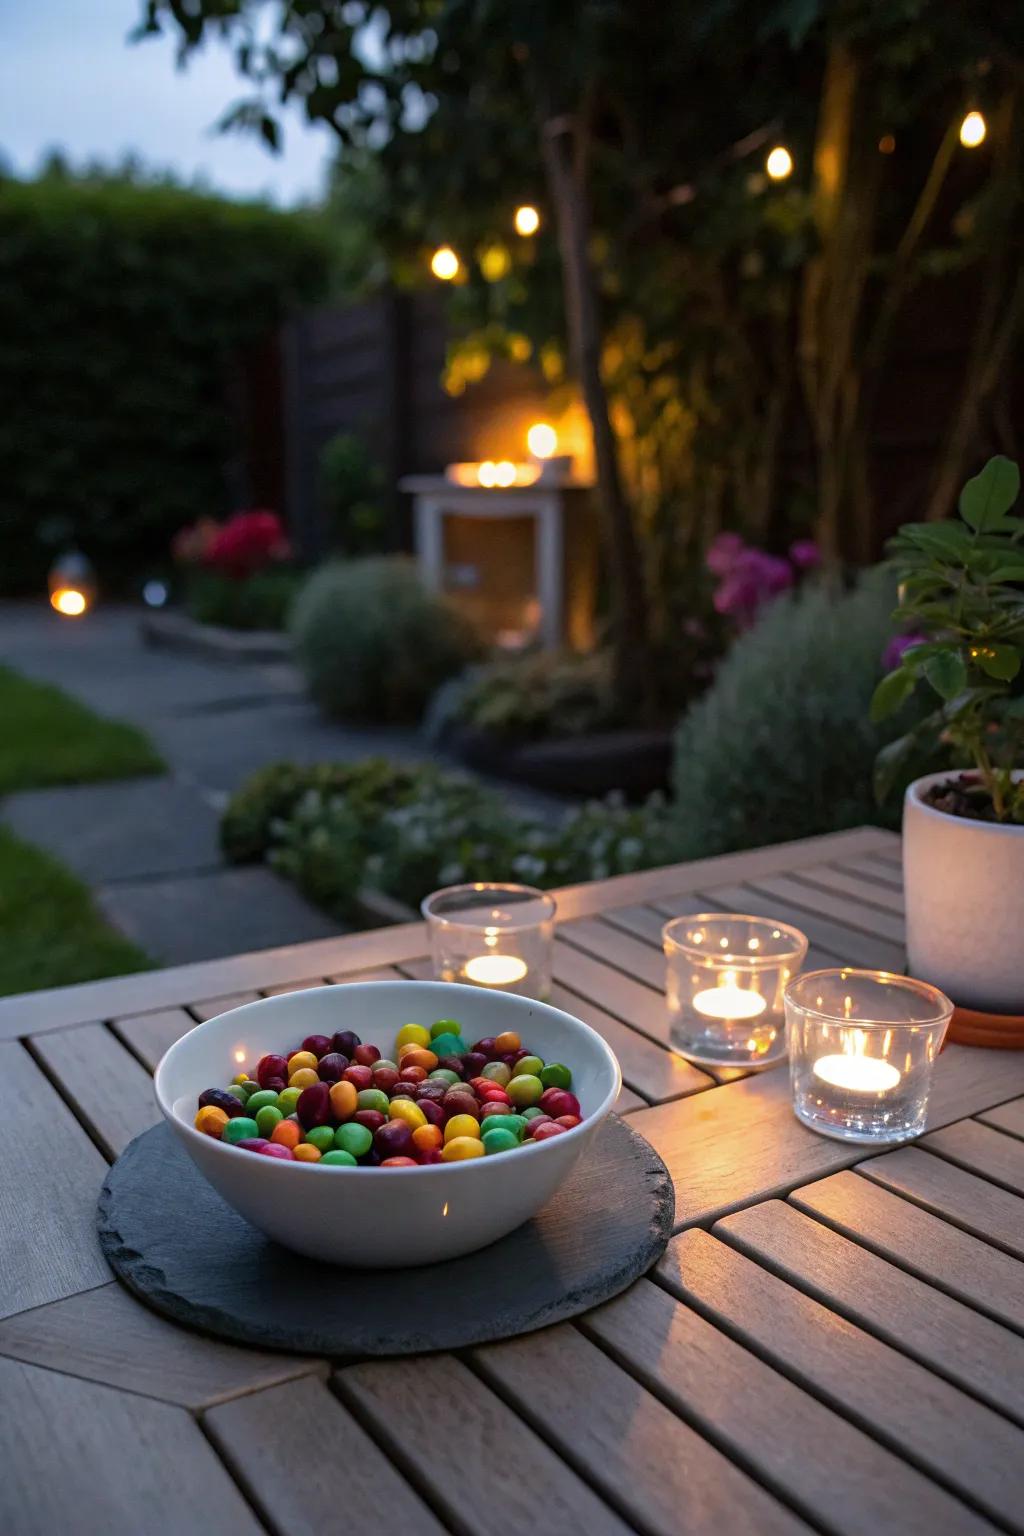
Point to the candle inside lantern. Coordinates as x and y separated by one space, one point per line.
728 1001
858 1074
495 970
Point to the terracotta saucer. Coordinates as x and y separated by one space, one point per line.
1001 1031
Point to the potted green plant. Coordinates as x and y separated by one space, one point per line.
962 600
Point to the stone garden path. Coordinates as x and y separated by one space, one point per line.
148 847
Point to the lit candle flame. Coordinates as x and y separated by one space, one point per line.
495 970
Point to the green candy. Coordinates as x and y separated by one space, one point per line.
257 1101
525 1090
532 1113
392 1066
499 1140
514 1123
287 1100
373 1098
497 1072
239 1091
554 1075
445 1027
353 1138
267 1118
531 1066
321 1137
239 1128
449 1045
445 1075
338 1159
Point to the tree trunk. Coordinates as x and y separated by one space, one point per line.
630 619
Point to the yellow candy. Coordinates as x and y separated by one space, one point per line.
405 1109
412 1034
461 1147
306 1153
210 1120
240 1077
305 1077
301 1059
459 1126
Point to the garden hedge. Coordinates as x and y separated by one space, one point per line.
122 308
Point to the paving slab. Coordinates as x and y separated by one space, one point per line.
202 917
119 831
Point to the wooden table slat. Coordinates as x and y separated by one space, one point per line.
460 1440
944 1335
880 871
629 1102
51 1177
957 1263
666 1477
844 909
88 1459
980 1148
615 947
867 891
378 973
826 1467
1006 1117
917 1414
971 1203
631 1001
102 1081
651 1070
311 1469
213 1007
149 1035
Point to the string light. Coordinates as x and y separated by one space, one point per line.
527 220
973 130
495 262
444 263
542 440
779 163
886 144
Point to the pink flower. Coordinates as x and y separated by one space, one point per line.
248 542
723 552
805 554
897 648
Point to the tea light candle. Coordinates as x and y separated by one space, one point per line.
724 975
862 1045
497 936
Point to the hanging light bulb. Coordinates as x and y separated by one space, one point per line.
973 130
527 220
542 440
444 263
779 163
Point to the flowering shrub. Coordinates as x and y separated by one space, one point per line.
237 571
750 578
335 828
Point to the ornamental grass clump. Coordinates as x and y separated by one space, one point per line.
961 598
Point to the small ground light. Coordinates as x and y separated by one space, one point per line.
444 263
155 594
973 130
71 585
527 220
542 440
779 163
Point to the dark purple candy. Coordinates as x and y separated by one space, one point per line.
451 1064
331 1065
221 1099
314 1106
345 1042
484 1047
318 1044
369 1159
253 1143
522 1051
473 1063
509 1058
433 1112
393 1139
275 1084
433 1088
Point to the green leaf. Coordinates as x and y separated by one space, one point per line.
1008 572
946 673
942 539
986 499
1001 661
892 691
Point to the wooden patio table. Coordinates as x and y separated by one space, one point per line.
834 1340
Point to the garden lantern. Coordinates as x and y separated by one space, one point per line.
72 585
973 130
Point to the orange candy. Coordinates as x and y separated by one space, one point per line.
427 1138
418 1056
305 1153
210 1120
287 1133
344 1100
399 1162
509 1041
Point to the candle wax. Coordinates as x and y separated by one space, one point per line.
858 1074
729 1002
495 970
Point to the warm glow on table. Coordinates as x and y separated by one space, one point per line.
858 1074
729 1002
495 970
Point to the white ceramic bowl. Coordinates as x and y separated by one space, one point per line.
393 1217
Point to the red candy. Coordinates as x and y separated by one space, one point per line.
314 1106
318 1044
365 1055
569 1121
393 1139
400 1162
271 1067
547 1130
385 1078
559 1101
371 1118
358 1074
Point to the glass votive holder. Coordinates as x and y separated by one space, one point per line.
725 976
862 1045
497 936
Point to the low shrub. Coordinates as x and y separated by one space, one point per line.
337 828
781 745
252 602
373 643
531 698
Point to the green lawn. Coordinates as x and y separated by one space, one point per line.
50 933
48 738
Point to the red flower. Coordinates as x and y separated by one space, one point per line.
248 542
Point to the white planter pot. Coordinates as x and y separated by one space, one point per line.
965 903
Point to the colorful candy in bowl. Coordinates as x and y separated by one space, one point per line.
386 1124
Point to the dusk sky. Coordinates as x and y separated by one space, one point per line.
69 79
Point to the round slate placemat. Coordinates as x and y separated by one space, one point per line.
175 1243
